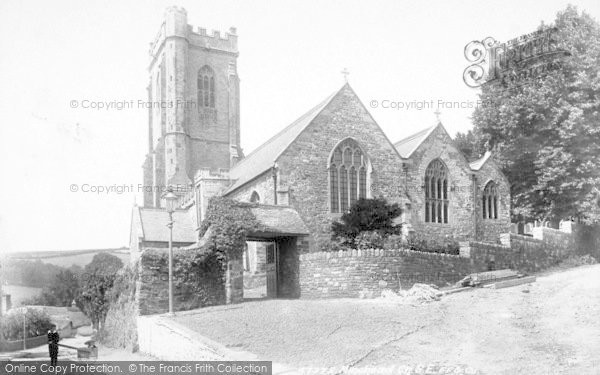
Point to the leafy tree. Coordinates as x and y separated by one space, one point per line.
366 215
37 323
62 291
546 130
469 144
65 288
35 274
97 281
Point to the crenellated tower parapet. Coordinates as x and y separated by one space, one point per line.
176 26
194 90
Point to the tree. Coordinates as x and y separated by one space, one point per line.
65 288
97 281
469 145
367 215
545 131
62 291
37 323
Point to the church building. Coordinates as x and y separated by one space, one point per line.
308 174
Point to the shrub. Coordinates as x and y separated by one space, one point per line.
366 215
37 323
369 240
419 242
101 273
120 326
578 260
394 241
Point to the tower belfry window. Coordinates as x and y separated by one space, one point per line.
206 87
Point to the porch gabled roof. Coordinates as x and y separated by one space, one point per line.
278 221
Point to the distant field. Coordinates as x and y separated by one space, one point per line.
19 293
68 258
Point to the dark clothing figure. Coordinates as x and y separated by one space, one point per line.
53 339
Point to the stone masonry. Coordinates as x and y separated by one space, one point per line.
184 135
366 273
303 166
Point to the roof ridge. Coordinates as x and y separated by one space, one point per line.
414 135
289 126
263 157
478 163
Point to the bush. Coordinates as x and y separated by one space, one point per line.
369 240
578 260
120 326
61 291
418 242
367 215
394 241
37 323
101 273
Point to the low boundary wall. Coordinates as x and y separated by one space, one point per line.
32 342
366 273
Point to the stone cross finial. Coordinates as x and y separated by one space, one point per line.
345 73
437 114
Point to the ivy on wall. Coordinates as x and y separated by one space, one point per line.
229 221
120 327
198 272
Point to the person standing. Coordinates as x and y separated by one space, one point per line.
53 339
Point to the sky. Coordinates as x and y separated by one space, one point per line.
55 158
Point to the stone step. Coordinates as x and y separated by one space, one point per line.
482 278
512 282
493 275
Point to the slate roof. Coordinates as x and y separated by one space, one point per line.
154 225
263 158
477 164
279 220
408 145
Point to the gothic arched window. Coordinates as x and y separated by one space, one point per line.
347 176
206 87
489 202
255 198
436 192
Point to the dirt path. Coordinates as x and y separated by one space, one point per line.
551 326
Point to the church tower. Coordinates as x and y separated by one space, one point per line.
194 105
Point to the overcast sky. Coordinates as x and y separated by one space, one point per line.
291 56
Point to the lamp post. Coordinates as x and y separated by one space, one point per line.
24 327
170 202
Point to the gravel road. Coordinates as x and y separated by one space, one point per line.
551 326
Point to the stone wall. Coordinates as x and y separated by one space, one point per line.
365 273
263 185
31 342
587 238
524 253
556 241
190 290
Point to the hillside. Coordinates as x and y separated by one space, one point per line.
68 258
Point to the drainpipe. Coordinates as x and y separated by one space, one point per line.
274 174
